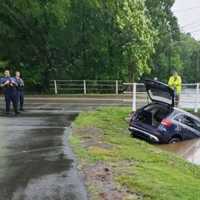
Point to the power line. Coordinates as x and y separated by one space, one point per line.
190 9
195 31
191 24
191 29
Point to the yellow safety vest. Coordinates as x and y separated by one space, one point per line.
175 82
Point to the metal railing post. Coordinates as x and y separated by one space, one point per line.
134 97
55 87
116 87
84 87
197 98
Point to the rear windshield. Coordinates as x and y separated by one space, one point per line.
160 95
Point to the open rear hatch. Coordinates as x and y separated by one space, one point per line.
146 121
159 92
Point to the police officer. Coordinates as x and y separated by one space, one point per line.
20 91
175 82
9 86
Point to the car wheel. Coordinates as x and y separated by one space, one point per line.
174 140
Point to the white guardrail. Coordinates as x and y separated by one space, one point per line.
86 86
190 96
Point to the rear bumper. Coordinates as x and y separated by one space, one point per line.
144 134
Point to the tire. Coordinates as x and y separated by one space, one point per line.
174 140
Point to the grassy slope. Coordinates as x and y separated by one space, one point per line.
138 166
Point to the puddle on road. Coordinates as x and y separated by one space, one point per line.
189 150
35 159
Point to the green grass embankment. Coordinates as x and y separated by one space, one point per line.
138 170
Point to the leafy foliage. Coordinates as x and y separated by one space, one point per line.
93 39
138 36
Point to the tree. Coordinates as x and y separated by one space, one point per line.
190 56
138 36
167 27
28 33
93 39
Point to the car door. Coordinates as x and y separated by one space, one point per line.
188 127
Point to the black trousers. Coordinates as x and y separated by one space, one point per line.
177 100
11 97
20 99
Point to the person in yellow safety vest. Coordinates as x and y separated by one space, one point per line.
175 82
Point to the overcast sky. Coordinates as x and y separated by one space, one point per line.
188 13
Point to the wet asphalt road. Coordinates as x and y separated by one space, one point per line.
36 162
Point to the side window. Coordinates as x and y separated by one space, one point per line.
179 118
188 121
197 123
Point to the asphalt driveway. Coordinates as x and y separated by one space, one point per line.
36 162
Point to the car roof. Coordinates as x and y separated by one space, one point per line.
175 111
180 111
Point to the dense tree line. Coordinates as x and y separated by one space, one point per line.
94 39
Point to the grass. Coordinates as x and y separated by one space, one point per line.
137 166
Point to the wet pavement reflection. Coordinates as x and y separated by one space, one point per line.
35 160
189 150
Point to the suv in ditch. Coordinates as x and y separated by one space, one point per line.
159 121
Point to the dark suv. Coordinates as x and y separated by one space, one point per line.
160 121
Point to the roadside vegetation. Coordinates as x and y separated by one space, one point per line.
94 39
117 166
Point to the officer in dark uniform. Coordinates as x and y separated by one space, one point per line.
9 86
20 91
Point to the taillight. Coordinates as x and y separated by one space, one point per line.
167 123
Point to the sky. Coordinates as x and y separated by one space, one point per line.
188 14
